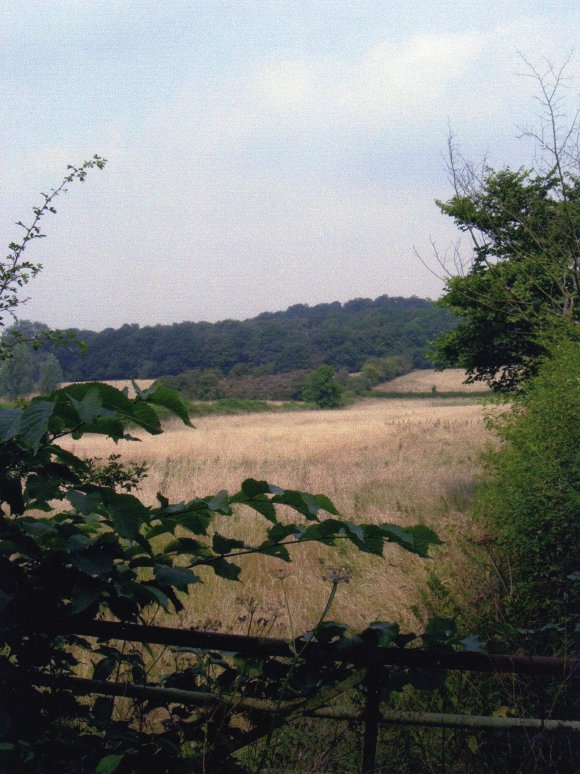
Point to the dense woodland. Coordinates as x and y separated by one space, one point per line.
302 337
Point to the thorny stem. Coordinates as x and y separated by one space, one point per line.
13 273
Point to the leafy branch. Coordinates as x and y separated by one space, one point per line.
16 271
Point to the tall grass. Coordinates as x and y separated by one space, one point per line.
396 461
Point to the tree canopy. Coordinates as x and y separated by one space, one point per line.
522 286
517 292
343 335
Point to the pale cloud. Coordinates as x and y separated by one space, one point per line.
393 77
287 87
407 77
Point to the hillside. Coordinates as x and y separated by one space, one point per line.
344 335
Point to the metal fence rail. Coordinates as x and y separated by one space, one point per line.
366 656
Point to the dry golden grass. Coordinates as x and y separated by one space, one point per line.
450 380
395 461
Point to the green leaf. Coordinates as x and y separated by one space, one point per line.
9 423
439 631
110 397
127 514
165 527
258 503
109 426
109 764
84 503
278 550
104 668
329 529
46 486
374 539
34 423
251 488
280 531
89 406
94 562
196 521
326 505
78 542
219 502
326 632
223 545
415 539
163 396
184 546
473 644
381 633
423 539
157 595
38 527
472 745
146 417
225 569
102 710
82 598
302 502
180 577
5 721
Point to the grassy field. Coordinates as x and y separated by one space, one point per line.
450 380
393 461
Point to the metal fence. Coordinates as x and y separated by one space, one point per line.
370 658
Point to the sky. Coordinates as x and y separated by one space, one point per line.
260 153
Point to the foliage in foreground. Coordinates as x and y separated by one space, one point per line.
72 546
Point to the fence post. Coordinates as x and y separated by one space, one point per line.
371 715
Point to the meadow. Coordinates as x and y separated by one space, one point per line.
379 461
423 380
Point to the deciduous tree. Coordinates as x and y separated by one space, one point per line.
16 373
50 375
323 389
518 289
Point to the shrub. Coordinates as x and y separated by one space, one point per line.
531 496
323 389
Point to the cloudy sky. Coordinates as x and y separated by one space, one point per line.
260 153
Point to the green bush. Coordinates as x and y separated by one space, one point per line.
323 389
531 497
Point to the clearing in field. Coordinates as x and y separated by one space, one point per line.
392 461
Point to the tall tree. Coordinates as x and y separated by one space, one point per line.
518 290
17 373
50 374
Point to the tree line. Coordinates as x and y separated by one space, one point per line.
343 335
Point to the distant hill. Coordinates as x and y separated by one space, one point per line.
344 335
